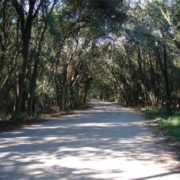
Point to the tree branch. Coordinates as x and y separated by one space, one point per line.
20 11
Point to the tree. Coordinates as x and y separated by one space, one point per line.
27 12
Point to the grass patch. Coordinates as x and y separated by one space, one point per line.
171 123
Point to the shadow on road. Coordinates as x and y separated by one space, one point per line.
105 142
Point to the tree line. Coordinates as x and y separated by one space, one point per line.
60 53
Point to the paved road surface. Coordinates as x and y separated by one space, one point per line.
105 142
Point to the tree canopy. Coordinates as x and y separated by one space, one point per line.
58 54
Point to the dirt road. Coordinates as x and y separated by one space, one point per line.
104 142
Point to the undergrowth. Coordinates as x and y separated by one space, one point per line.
169 122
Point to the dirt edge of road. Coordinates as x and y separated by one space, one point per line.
161 132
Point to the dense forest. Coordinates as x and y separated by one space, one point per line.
60 53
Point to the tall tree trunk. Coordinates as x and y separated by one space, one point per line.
32 85
26 26
22 77
166 79
34 76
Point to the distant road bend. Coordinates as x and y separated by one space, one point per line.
104 142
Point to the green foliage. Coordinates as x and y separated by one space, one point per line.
171 123
53 29
158 112
78 49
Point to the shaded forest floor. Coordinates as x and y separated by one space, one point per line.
7 125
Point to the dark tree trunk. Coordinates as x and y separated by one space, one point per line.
26 26
166 79
33 88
